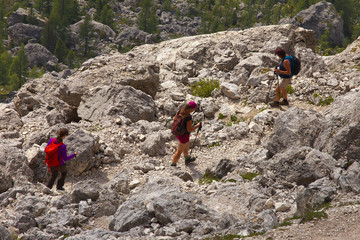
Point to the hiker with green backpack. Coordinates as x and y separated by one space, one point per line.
181 128
56 156
288 67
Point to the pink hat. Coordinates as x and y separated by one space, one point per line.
192 104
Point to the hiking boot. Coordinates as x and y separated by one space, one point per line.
173 164
275 104
284 102
189 159
60 189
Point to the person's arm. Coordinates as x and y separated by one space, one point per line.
63 154
189 126
287 66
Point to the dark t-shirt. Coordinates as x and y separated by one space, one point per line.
187 118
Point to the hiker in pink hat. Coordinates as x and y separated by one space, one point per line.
184 119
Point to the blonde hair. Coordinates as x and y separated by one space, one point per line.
185 110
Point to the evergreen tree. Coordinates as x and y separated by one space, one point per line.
50 32
107 16
60 50
20 66
5 62
71 59
86 34
167 6
147 19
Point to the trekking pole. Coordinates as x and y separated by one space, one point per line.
195 138
278 86
268 94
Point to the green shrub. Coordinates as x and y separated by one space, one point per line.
326 101
204 87
290 89
221 116
309 216
208 179
233 118
249 175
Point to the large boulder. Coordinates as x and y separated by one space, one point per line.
9 119
132 36
112 101
21 15
87 145
295 127
341 135
14 163
101 29
154 145
321 17
161 201
21 33
38 55
302 165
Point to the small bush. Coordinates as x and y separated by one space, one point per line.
204 87
326 101
249 175
290 89
233 118
208 179
309 216
221 116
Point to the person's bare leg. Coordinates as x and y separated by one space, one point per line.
180 149
186 149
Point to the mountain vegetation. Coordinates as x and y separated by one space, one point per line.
215 15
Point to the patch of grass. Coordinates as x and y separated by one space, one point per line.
204 87
290 89
221 116
245 102
286 222
249 175
233 118
315 215
326 101
233 236
229 180
217 144
208 179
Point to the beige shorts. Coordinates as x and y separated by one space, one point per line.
284 82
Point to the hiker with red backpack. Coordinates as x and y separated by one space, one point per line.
285 71
181 128
56 156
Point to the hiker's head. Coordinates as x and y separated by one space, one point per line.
280 52
62 133
190 107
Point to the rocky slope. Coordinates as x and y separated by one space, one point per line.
117 108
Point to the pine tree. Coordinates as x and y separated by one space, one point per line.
147 19
60 50
71 59
20 66
107 16
5 62
86 34
50 32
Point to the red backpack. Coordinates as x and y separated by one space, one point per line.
51 150
178 127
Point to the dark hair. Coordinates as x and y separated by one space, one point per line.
61 134
280 52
